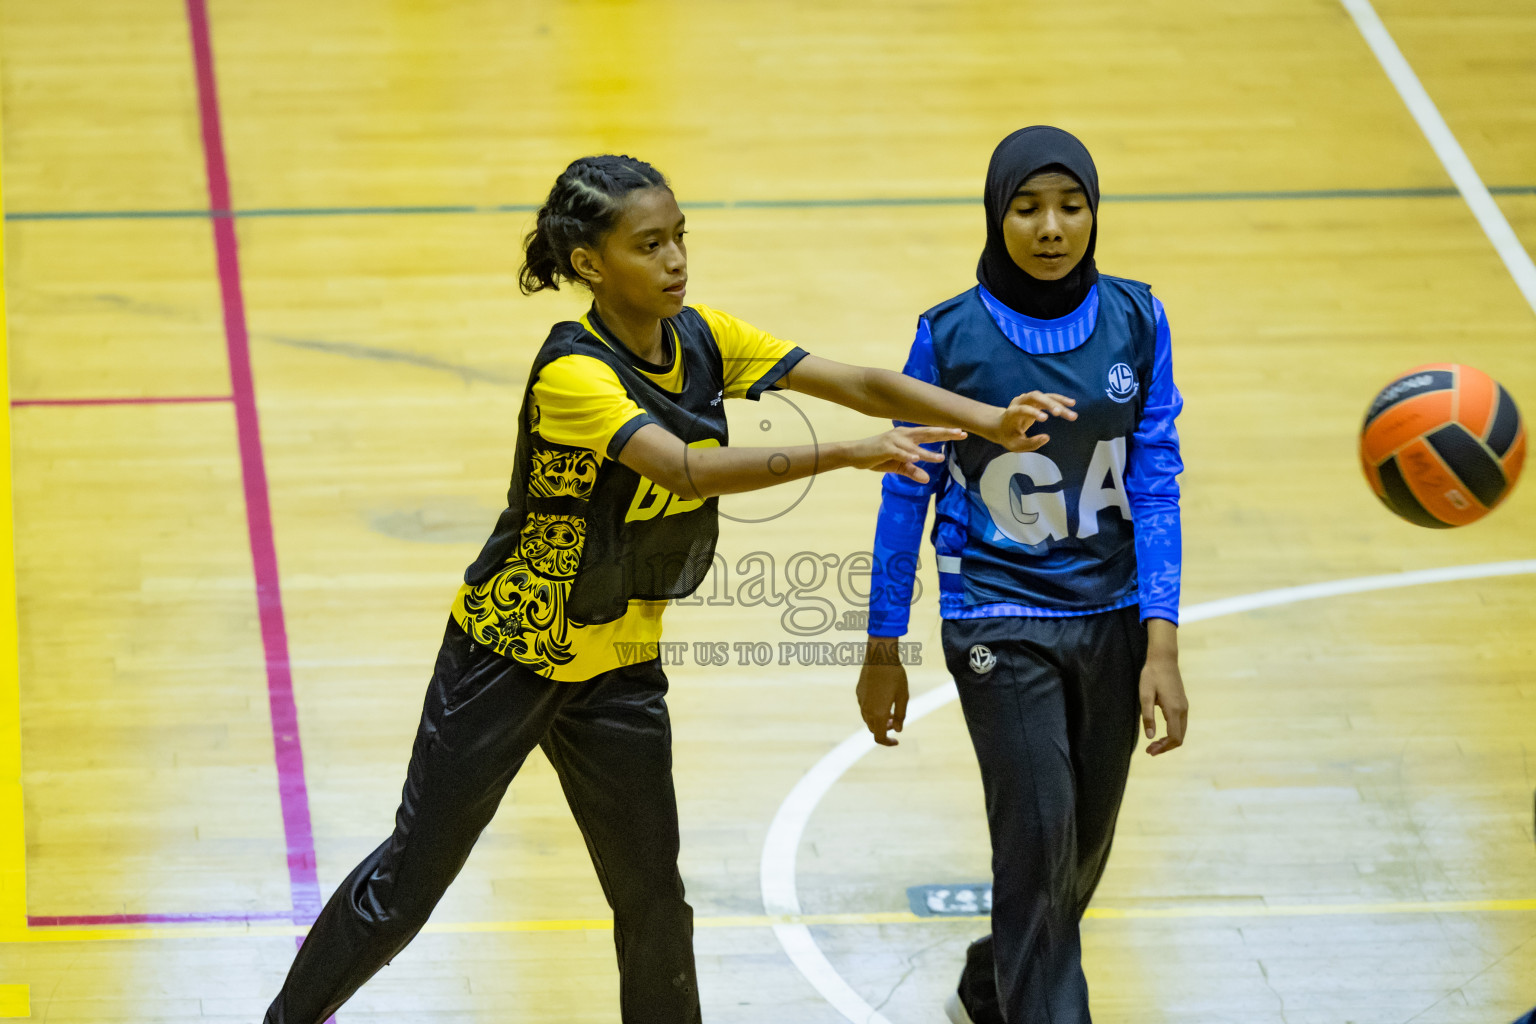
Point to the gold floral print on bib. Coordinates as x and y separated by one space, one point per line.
520 612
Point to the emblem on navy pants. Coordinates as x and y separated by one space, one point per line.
982 660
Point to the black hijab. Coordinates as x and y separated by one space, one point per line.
1018 158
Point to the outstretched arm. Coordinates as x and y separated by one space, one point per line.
891 395
660 455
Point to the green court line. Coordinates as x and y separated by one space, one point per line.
873 202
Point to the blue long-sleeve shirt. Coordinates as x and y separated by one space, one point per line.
1151 484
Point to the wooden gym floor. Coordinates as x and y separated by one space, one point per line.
253 451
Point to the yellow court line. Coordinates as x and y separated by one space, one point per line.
143 933
15 1001
1315 910
13 842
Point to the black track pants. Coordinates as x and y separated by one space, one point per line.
1054 722
610 742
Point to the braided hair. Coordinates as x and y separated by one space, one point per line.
582 207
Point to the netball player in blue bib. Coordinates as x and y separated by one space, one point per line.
1058 568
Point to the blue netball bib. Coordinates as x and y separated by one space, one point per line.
1051 528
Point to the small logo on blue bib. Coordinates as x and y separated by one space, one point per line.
1123 384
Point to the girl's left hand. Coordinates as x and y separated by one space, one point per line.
1025 412
1162 685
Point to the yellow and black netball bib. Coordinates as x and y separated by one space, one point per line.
613 535
574 579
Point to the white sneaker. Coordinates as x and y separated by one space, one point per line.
955 1010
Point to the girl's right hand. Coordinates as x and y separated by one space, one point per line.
900 450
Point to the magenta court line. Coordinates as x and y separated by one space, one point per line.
139 400
293 796
87 920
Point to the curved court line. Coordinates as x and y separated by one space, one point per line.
782 844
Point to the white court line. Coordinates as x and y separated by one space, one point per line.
777 870
1424 111
780 847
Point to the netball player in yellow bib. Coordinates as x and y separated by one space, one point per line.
620 454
